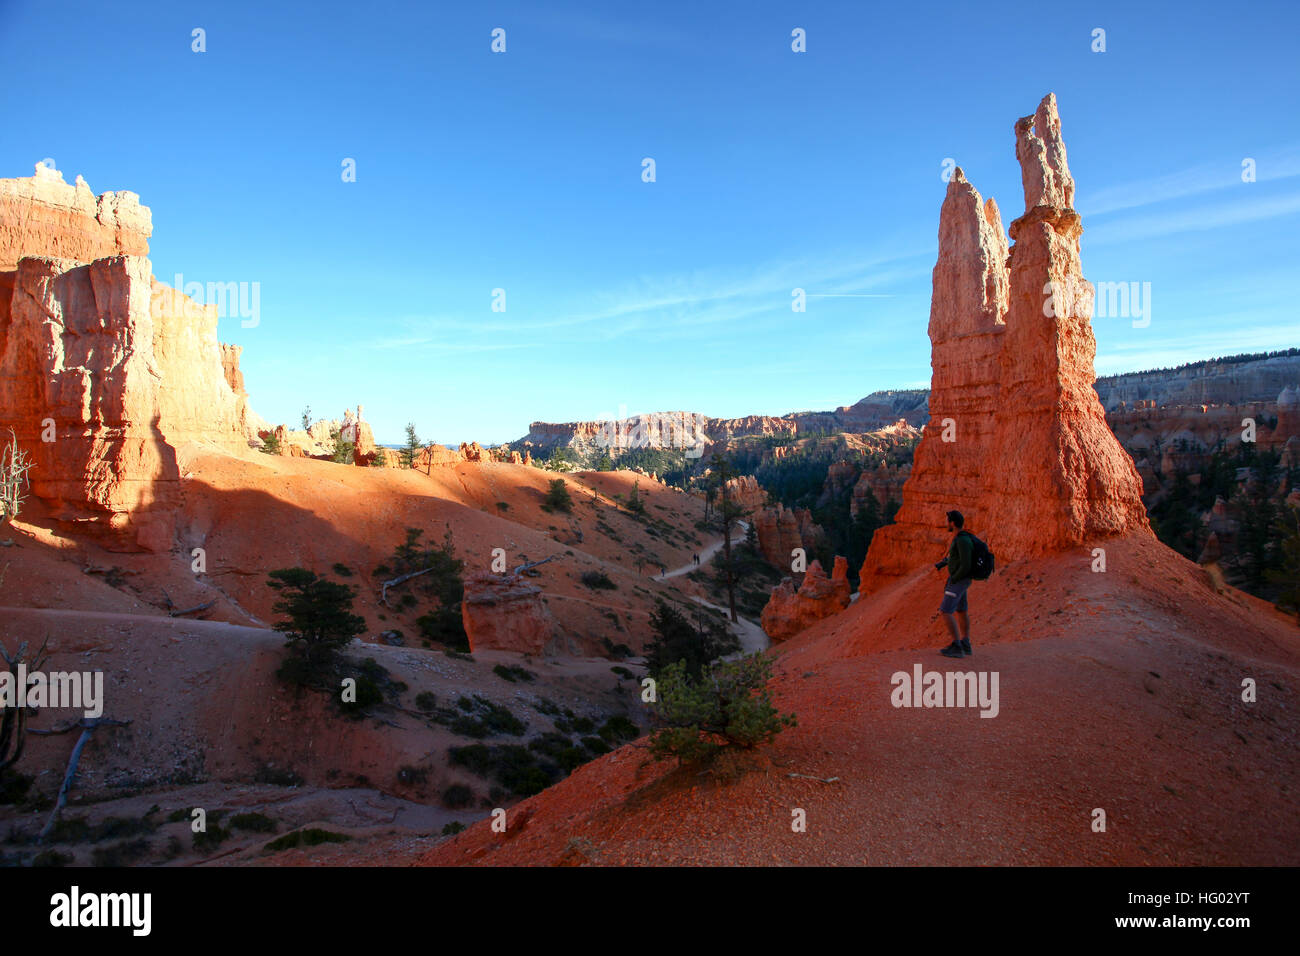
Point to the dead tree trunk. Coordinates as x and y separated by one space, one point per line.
87 725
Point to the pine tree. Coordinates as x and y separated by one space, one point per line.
728 512
1287 575
411 450
634 502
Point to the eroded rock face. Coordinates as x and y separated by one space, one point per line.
789 611
1017 440
744 492
106 375
504 612
440 455
120 372
230 367
41 215
781 530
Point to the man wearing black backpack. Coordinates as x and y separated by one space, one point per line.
961 568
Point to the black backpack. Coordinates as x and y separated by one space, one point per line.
981 558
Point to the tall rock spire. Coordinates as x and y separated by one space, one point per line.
1017 438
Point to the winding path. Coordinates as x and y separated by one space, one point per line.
705 556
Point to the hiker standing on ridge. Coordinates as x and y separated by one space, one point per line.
961 566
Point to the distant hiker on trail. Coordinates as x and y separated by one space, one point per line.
969 559
696 558
663 571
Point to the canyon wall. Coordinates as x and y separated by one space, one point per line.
1215 382
661 430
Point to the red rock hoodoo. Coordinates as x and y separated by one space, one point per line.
788 611
1017 439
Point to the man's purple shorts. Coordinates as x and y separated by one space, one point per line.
954 596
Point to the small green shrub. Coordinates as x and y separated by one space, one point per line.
598 580
309 837
457 796
368 694
121 854
253 822
210 838
559 749
476 758
727 705
575 725
513 673
483 718
518 770
618 729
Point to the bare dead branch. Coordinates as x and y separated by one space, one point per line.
191 610
400 579
532 564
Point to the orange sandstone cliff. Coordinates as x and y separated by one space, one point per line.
105 373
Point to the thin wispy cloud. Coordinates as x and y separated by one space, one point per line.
431 343
1203 178
680 305
1199 219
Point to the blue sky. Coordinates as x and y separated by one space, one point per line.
774 170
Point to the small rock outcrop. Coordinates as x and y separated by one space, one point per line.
789 611
505 612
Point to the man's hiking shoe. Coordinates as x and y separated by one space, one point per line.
952 650
965 646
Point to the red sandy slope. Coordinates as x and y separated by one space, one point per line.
1118 690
